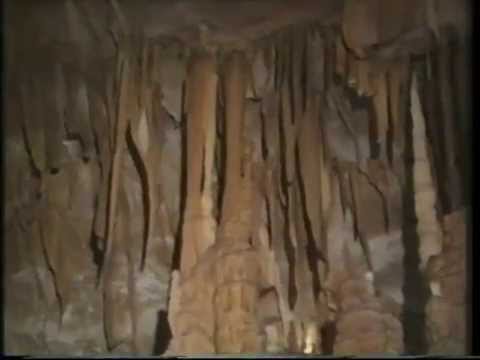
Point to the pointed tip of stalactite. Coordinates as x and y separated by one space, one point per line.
99 282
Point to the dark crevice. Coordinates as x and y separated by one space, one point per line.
94 242
221 150
313 253
390 138
428 91
202 179
183 193
142 173
269 221
263 137
163 334
375 146
328 333
287 241
290 253
414 286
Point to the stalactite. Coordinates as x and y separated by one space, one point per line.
172 73
209 132
315 63
352 71
338 123
262 76
298 50
364 71
201 112
235 87
78 122
33 125
76 31
55 108
380 104
119 149
142 131
434 131
360 25
450 133
330 56
340 57
311 165
428 227
397 95
397 17
101 132
270 110
253 132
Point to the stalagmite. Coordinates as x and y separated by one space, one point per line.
305 309
360 215
118 315
192 318
445 310
54 232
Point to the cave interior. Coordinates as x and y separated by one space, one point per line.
224 177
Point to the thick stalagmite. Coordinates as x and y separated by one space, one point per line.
190 305
446 308
236 269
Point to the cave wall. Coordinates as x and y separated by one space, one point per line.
303 191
